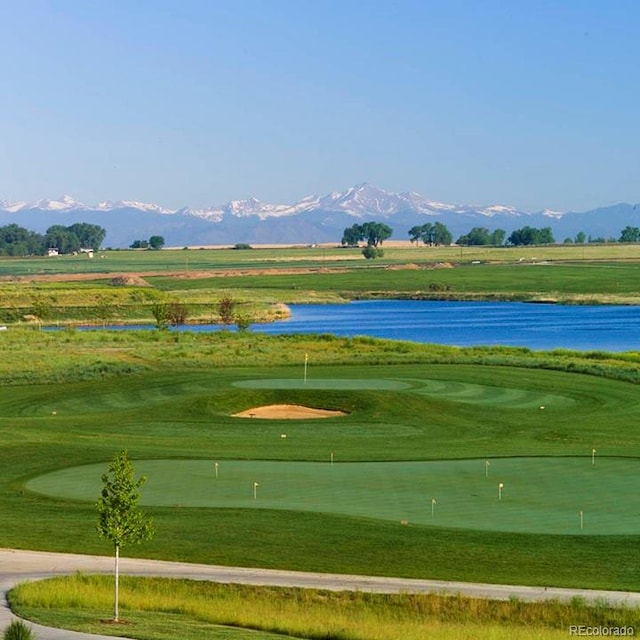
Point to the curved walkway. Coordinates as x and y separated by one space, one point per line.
20 566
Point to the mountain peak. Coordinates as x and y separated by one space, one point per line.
311 219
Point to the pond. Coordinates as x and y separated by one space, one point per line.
537 326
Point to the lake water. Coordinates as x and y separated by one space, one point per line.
537 326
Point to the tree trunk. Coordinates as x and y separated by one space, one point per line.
115 614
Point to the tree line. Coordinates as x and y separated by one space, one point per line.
18 241
437 234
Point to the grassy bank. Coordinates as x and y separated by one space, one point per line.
71 289
159 609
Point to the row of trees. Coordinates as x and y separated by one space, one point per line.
174 313
18 241
437 234
433 234
154 242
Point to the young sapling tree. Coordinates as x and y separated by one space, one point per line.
119 518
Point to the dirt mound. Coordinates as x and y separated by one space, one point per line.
287 412
403 267
129 281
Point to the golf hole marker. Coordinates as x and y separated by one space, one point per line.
500 488
255 490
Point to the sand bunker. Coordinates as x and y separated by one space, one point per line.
287 412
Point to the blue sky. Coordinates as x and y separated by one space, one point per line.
196 102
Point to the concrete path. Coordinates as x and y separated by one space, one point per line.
20 566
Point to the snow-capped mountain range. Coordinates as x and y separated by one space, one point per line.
311 219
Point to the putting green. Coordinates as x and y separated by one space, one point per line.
350 384
538 495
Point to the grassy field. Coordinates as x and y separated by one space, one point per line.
187 261
167 397
434 415
259 280
160 609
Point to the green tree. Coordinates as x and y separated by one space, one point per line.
119 518
62 238
160 311
371 253
226 309
432 234
630 234
545 236
376 233
415 233
90 235
580 238
530 235
243 321
18 241
139 244
177 313
497 237
441 234
352 235
476 237
156 242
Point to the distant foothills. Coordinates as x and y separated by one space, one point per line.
313 219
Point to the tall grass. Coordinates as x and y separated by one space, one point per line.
70 355
18 630
315 614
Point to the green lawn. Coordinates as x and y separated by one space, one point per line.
491 280
170 399
526 495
